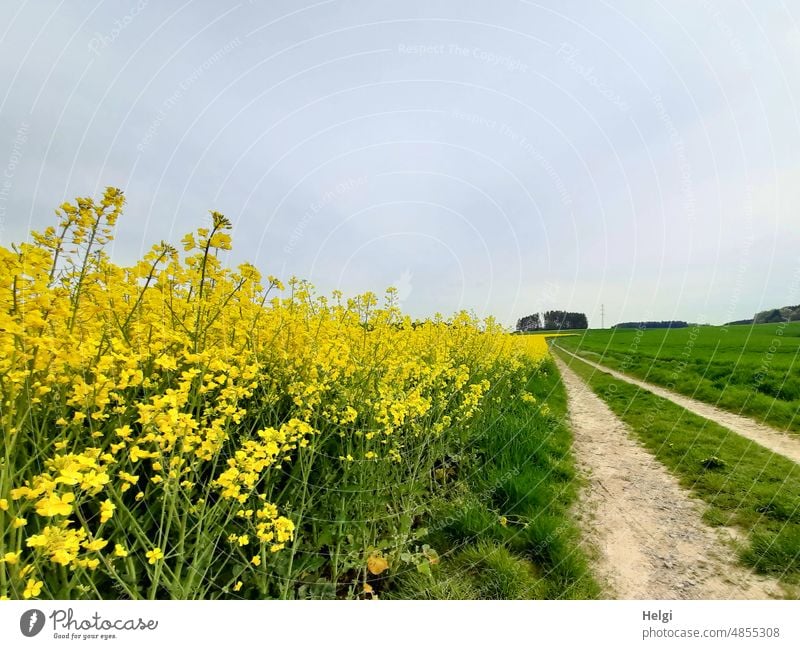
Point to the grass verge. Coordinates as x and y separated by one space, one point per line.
504 526
744 484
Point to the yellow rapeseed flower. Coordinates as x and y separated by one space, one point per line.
55 505
32 589
62 557
94 546
376 564
137 454
154 555
106 511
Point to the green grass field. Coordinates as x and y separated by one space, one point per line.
743 484
749 370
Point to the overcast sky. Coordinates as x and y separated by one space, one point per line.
503 157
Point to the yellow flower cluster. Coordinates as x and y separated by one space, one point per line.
254 457
60 543
168 403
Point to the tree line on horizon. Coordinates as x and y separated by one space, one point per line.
552 320
783 314
652 324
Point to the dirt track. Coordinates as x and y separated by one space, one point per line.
646 530
770 438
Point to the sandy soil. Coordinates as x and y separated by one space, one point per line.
770 438
646 530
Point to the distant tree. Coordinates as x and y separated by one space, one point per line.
773 315
565 320
784 314
529 323
552 320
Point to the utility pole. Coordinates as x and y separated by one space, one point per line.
602 316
